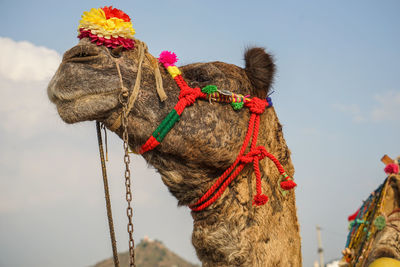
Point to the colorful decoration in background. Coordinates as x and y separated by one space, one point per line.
363 226
107 26
385 262
369 219
392 166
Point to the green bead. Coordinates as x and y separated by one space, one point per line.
237 105
209 89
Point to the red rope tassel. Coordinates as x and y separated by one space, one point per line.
257 107
222 178
288 184
259 199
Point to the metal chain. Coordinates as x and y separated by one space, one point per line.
129 210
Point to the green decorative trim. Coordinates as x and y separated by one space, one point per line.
166 125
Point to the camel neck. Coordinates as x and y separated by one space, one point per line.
234 233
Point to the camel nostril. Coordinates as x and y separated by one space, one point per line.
80 53
116 52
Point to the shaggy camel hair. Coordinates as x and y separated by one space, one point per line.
200 147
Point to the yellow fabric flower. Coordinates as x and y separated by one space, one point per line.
95 20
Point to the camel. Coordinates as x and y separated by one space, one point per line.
379 235
198 149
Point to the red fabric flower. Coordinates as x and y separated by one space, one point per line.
111 12
110 43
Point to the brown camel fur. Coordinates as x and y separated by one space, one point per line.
199 148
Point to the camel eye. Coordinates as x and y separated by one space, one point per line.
117 52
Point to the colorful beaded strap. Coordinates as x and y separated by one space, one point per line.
256 106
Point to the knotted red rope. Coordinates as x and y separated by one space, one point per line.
256 107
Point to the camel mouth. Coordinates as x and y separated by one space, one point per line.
84 86
89 107
59 94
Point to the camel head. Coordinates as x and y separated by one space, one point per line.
208 136
87 87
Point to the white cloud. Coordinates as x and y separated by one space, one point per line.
25 70
353 110
388 107
25 62
25 109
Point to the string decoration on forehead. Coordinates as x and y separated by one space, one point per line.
107 26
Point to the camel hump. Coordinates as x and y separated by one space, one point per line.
260 69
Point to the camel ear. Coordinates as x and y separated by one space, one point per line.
260 69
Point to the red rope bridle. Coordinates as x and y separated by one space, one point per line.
257 106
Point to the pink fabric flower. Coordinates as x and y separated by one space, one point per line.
392 168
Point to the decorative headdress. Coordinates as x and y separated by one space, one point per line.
107 26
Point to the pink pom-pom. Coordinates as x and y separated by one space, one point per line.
288 184
392 168
260 200
167 58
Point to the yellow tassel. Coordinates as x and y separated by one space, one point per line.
174 71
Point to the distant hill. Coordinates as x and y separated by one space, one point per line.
149 253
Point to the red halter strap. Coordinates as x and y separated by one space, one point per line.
187 97
256 153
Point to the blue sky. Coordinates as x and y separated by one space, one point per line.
337 94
